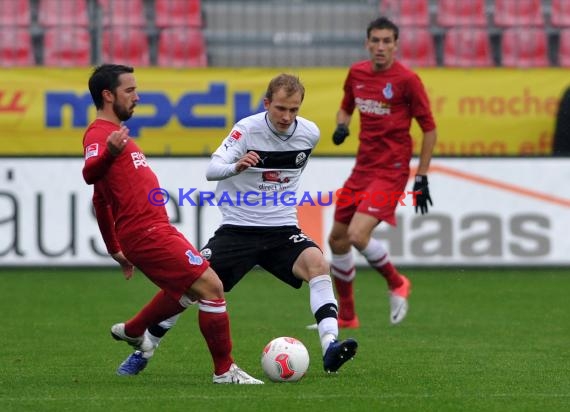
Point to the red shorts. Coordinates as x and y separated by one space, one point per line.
167 258
377 197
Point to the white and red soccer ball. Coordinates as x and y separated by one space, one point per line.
285 359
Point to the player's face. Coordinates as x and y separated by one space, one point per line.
125 97
282 110
382 46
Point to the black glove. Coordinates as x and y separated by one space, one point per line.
340 134
422 194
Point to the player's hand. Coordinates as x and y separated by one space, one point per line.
340 134
421 193
247 160
117 140
127 267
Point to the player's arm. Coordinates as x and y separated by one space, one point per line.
344 114
420 109
232 157
106 223
99 157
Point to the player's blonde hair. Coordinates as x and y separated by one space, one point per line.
290 83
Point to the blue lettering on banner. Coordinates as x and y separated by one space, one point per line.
163 109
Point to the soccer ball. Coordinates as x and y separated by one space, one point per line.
285 359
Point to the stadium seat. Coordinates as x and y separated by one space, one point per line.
123 13
518 13
560 13
126 45
170 13
16 47
67 47
182 47
15 13
453 13
524 47
62 13
564 50
416 47
406 12
467 47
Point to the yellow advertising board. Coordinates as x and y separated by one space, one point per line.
44 111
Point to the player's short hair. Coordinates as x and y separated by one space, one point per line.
290 83
382 23
106 77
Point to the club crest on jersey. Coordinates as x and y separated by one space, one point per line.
194 259
206 253
387 91
92 150
300 159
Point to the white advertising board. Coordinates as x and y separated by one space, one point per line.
486 212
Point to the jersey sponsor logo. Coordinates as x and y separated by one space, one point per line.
387 91
372 106
92 150
139 160
274 176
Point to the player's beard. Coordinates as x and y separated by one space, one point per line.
121 112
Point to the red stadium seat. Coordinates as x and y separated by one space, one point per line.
518 13
67 47
467 47
15 13
123 13
182 47
524 47
564 50
126 45
16 47
416 47
406 12
453 13
186 13
63 13
560 13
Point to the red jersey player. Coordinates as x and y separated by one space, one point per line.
387 95
138 233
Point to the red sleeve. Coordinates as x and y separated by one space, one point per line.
347 103
105 221
419 104
98 159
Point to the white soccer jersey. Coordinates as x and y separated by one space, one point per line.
264 195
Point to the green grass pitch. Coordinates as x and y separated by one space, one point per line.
474 340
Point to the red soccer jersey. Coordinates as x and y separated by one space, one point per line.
387 102
123 183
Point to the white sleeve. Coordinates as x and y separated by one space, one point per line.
223 162
218 169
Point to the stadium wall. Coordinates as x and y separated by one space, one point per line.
496 212
488 112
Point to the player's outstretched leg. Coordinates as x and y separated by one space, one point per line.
339 352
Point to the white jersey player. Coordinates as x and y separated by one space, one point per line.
260 161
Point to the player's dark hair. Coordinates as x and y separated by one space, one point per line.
106 77
290 83
382 23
